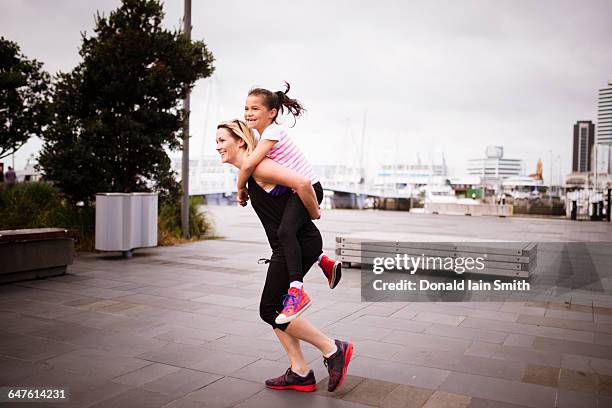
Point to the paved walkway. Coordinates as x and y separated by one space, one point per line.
178 327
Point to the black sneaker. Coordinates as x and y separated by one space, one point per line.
292 381
338 363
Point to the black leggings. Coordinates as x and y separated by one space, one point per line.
277 279
294 218
271 211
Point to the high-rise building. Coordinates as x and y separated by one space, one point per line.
584 138
604 115
604 159
494 166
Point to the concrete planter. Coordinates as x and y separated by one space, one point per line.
34 253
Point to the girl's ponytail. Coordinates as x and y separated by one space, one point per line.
280 101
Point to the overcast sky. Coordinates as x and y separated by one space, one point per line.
434 77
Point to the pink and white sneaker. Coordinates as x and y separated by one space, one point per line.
294 303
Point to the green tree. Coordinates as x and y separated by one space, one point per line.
119 110
24 99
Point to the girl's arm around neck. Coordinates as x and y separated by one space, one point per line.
249 163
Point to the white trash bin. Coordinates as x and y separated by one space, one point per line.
125 221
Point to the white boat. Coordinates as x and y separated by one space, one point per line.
440 192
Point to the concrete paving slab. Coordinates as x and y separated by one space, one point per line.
441 399
180 382
14 370
406 396
30 348
134 398
349 383
400 373
260 370
370 392
91 361
145 374
535 374
573 399
292 399
226 392
513 392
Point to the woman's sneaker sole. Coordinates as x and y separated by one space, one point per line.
347 357
292 381
302 388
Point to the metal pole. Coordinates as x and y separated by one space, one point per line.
609 205
551 173
595 168
185 161
558 182
363 134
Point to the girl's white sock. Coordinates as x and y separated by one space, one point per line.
296 284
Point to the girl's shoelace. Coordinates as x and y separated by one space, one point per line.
289 301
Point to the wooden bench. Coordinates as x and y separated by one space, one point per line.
35 253
501 258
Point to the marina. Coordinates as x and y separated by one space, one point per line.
425 188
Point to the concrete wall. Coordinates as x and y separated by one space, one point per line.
467 209
35 259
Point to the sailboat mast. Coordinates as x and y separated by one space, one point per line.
363 133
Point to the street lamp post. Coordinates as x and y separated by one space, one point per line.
595 168
185 160
551 172
560 174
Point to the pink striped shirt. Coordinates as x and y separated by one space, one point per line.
286 153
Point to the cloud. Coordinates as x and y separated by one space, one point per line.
441 76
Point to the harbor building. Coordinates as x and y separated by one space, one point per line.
494 166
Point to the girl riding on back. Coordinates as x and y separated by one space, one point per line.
261 110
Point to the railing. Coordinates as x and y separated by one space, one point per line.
588 205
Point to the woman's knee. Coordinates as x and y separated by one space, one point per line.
268 315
